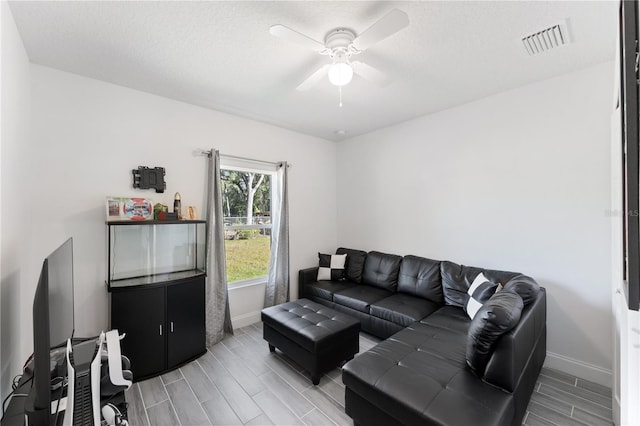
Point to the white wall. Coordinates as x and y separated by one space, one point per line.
87 136
15 86
516 181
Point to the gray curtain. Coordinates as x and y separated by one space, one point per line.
218 318
278 280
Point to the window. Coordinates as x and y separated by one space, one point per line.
246 205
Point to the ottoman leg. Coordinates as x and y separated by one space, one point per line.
272 348
315 379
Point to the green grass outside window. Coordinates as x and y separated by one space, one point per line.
247 259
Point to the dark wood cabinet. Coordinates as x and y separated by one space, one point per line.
139 313
156 277
164 324
185 321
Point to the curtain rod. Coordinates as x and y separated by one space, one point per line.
235 157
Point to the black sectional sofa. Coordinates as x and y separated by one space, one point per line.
436 366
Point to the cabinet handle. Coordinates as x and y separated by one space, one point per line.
172 326
161 329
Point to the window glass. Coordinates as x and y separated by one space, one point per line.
246 205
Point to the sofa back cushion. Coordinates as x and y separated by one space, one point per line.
355 264
420 277
456 280
381 270
525 286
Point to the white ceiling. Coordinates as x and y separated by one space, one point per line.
220 55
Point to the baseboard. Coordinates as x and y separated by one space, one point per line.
579 368
245 319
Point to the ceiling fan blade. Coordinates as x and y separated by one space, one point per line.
293 36
389 24
369 73
313 78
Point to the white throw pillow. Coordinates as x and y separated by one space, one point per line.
331 267
480 291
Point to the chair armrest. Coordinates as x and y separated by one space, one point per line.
306 276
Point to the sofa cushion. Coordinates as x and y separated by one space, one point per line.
456 280
497 316
480 291
403 309
331 266
420 277
360 297
355 263
326 289
450 318
419 376
381 270
525 286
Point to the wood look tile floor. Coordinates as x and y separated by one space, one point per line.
239 382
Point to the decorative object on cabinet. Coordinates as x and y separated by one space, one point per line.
158 209
156 279
148 178
168 216
125 208
177 205
192 213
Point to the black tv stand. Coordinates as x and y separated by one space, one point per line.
15 413
21 400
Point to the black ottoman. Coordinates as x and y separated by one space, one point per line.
316 337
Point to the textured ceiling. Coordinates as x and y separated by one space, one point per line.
220 55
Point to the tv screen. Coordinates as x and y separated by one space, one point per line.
53 324
60 277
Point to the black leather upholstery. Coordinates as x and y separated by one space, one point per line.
381 270
449 317
360 297
456 280
419 375
308 323
355 263
326 289
525 286
420 277
497 316
519 355
315 336
402 309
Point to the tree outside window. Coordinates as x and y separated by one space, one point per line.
246 204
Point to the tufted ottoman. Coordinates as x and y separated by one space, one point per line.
316 337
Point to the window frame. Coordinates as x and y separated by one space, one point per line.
249 166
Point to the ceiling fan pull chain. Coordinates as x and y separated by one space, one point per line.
340 91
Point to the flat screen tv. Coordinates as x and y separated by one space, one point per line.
53 324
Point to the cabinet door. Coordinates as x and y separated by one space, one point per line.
140 314
185 321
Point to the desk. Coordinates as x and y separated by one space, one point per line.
15 416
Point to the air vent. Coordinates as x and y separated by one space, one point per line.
550 38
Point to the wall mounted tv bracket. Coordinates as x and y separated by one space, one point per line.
147 178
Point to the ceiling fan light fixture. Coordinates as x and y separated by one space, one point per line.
340 73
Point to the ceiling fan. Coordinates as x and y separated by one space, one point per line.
340 45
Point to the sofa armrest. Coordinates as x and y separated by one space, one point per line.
306 276
521 349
